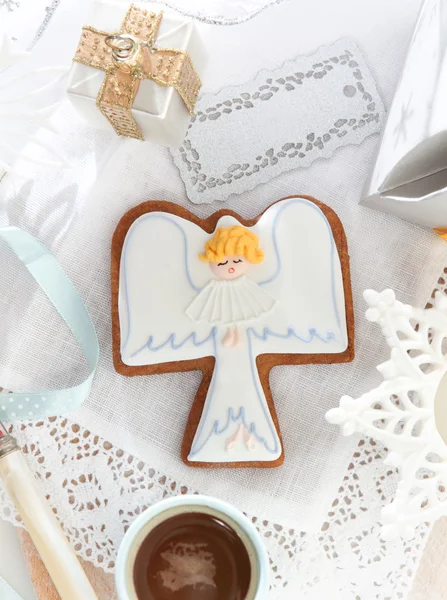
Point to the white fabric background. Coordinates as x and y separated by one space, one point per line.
75 211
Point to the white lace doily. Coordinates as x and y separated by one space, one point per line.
97 490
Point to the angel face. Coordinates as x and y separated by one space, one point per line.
231 267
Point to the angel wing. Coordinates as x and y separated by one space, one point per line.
303 272
159 278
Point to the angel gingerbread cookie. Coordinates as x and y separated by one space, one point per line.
232 298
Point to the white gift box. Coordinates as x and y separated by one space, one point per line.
409 178
159 111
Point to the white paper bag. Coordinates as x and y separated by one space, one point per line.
409 178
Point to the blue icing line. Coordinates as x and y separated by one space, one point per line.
260 393
331 235
261 397
231 417
234 418
313 333
275 243
210 391
171 341
126 244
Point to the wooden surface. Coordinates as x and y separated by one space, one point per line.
103 583
431 578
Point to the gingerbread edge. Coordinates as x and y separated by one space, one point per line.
265 362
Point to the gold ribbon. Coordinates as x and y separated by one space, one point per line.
442 233
127 57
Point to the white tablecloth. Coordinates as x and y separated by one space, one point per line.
74 212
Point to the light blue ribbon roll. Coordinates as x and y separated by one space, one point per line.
48 273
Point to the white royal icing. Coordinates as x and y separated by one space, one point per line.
172 308
226 302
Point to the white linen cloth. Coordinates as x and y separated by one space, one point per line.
75 212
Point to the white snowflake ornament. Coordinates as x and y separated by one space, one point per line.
400 412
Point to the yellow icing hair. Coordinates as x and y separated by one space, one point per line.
231 241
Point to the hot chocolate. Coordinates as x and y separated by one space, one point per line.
195 555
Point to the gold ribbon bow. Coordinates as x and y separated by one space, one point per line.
129 56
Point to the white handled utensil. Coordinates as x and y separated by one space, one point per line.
41 523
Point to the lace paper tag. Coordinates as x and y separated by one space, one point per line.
281 120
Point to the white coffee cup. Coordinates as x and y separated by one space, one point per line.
156 514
